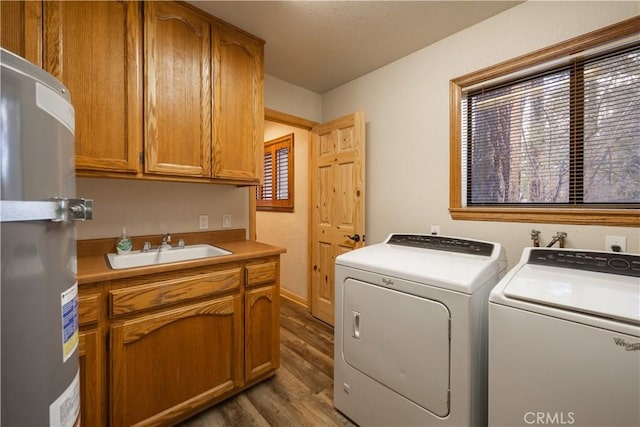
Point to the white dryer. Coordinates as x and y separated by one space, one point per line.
564 340
410 330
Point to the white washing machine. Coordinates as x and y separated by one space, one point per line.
564 340
410 330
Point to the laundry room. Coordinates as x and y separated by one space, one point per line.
258 244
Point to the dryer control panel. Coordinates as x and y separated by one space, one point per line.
601 262
442 243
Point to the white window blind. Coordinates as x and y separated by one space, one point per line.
282 173
566 136
267 186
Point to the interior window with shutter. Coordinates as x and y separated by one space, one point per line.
563 134
276 192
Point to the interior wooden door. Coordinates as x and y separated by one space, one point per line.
338 203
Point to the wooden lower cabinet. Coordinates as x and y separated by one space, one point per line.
90 381
178 341
262 331
166 364
91 354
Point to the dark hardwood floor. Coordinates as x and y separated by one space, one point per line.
301 391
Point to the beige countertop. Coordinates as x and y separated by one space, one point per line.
94 267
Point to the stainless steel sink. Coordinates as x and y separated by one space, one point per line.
140 259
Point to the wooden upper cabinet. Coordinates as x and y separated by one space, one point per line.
238 114
21 29
177 90
94 49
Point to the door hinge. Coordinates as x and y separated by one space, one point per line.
141 158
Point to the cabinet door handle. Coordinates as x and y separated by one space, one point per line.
356 325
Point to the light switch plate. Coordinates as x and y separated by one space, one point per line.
226 221
203 222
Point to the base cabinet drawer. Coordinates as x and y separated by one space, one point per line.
165 364
173 290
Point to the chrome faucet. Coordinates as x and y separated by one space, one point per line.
166 242
535 236
559 237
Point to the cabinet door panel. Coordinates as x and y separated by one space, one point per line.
94 49
21 29
177 91
238 105
262 329
91 378
166 363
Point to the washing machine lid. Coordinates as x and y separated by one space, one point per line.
570 280
442 261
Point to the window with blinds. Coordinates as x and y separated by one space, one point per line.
570 135
562 132
276 192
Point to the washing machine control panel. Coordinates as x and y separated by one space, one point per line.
602 262
442 243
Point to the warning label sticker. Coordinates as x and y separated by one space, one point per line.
70 332
66 408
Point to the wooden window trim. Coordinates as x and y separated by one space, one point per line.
577 215
279 205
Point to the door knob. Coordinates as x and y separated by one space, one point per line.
355 237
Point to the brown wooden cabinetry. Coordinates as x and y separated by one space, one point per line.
179 346
21 29
262 314
203 86
91 352
178 341
94 49
177 90
238 116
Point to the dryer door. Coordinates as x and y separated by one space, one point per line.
400 340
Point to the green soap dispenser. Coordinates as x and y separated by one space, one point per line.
123 245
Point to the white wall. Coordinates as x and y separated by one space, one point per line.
407 108
290 229
153 207
287 98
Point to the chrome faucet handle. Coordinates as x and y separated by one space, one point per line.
146 246
181 243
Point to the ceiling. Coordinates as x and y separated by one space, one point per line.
320 45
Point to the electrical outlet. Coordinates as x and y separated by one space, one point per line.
435 229
203 222
615 241
226 221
